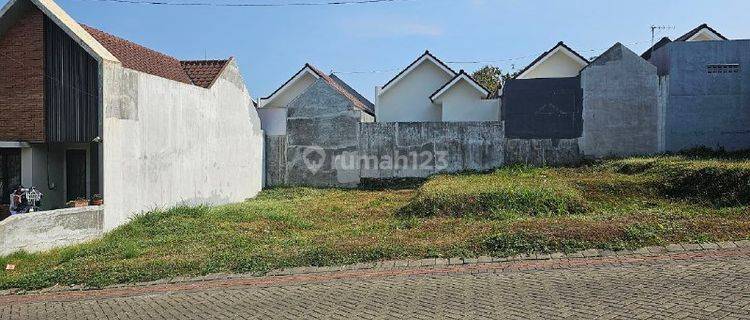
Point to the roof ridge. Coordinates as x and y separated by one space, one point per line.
85 26
147 60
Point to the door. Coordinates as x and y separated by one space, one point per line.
75 174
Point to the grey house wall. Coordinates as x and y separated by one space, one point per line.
701 108
322 126
620 105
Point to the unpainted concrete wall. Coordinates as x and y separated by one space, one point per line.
322 126
45 230
542 152
620 105
705 109
275 158
167 143
421 149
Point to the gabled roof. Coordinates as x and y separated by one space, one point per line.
104 46
701 29
461 76
647 54
704 28
140 58
204 73
67 24
353 92
355 98
426 56
544 56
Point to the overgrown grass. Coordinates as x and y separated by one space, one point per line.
507 193
613 204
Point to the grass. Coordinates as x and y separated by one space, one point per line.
612 204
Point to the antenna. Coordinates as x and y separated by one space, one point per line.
653 33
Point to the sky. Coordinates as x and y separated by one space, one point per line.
368 44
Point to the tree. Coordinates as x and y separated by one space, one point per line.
491 77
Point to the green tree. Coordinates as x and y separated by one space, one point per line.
491 77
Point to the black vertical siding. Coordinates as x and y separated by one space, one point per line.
71 88
549 108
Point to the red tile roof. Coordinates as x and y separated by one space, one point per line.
140 58
204 72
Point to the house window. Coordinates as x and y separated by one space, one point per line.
723 68
10 173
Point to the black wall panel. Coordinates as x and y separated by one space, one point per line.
71 88
543 108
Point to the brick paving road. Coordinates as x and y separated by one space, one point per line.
703 285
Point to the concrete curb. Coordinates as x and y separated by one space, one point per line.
421 263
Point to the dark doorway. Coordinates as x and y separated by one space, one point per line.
75 174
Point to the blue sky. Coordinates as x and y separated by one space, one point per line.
273 43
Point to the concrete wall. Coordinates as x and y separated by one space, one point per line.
542 152
620 105
322 125
275 159
464 103
167 143
705 109
408 100
421 149
45 230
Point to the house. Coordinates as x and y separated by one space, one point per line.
544 99
273 109
83 112
309 104
430 91
559 62
700 33
705 99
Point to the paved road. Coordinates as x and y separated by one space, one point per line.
705 285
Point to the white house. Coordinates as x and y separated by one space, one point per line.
559 62
430 91
463 99
273 109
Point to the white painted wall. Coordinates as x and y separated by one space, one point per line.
167 143
273 120
464 103
558 65
408 100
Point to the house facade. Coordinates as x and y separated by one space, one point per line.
544 100
430 91
703 80
273 109
84 113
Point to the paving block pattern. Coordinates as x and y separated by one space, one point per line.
686 284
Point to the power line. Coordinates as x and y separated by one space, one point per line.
291 4
476 61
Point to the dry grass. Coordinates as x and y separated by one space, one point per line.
614 204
